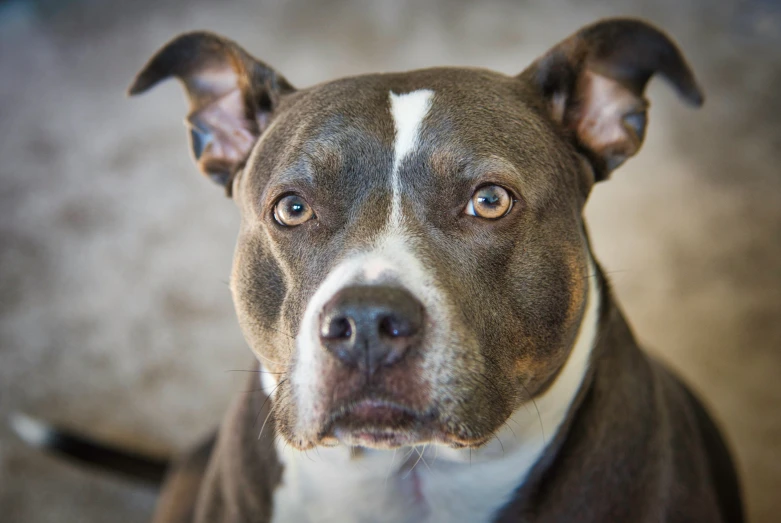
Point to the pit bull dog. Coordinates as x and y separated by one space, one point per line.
435 340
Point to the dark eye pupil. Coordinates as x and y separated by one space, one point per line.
296 208
491 200
489 197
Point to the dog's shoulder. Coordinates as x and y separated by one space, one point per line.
698 443
182 484
232 475
639 447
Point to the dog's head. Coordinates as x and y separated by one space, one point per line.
412 263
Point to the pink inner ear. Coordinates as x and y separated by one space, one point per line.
212 82
223 121
599 122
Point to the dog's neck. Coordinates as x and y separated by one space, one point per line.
432 482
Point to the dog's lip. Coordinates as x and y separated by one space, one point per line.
377 423
377 413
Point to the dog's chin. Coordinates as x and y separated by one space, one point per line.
377 438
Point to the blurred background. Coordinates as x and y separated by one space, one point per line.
116 317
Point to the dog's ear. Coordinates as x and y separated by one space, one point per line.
232 97
593 84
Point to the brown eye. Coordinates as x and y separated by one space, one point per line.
490 202
292 210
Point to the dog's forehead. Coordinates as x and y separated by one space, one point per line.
467 113
347 138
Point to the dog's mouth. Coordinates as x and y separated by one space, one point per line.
383 424
378 423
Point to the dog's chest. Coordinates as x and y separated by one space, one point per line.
383 486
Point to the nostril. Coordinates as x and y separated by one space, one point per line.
338 328
393 327
388 327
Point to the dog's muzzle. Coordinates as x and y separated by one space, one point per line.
373 334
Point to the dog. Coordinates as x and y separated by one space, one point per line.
435 340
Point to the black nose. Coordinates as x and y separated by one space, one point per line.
371 326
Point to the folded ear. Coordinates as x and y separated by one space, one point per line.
232 97
593 84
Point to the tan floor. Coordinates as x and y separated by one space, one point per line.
115 314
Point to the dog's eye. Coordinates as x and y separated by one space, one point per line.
292 210
490 202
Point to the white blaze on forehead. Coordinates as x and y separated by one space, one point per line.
408 111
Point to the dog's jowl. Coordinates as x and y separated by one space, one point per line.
434 338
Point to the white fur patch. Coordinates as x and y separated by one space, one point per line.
408 111
446 485
331 486
306 378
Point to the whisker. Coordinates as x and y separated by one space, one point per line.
254 371
539 417
264 326
270 412
390 467
424 459
515 436
264 404
420 456
407 456
500 442
270 360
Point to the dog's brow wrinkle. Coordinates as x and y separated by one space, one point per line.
447 161
408 111
323 159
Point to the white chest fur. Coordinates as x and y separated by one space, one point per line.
444 485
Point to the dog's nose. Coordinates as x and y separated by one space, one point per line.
371 326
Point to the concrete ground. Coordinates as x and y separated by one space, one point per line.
115 314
